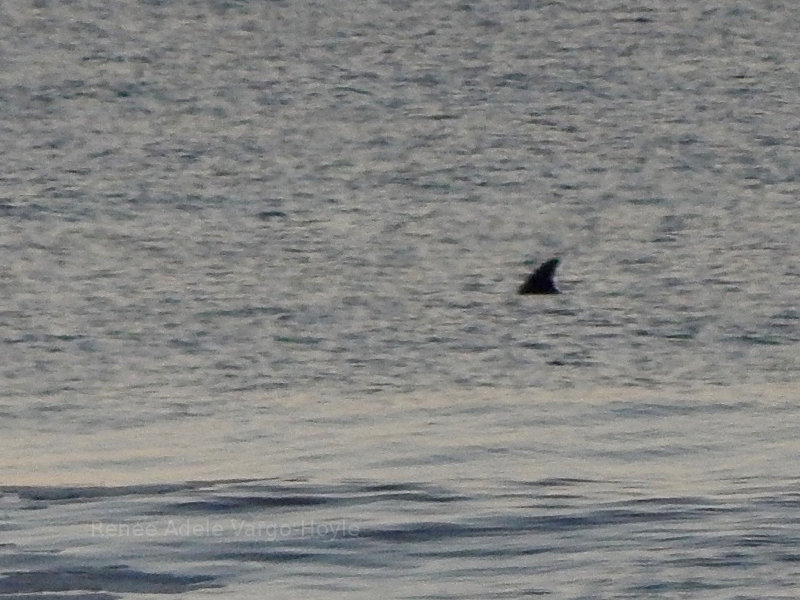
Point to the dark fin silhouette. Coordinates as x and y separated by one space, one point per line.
541 280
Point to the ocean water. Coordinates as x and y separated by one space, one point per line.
258 320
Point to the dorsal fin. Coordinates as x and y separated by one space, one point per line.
541 280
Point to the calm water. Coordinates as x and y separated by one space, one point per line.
259 327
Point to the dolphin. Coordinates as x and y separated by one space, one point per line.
541 280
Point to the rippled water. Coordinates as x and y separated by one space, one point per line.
260 272
624 494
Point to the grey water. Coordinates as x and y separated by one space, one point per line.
259 326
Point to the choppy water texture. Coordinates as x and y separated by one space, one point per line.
260 262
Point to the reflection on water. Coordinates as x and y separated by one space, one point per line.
461 436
